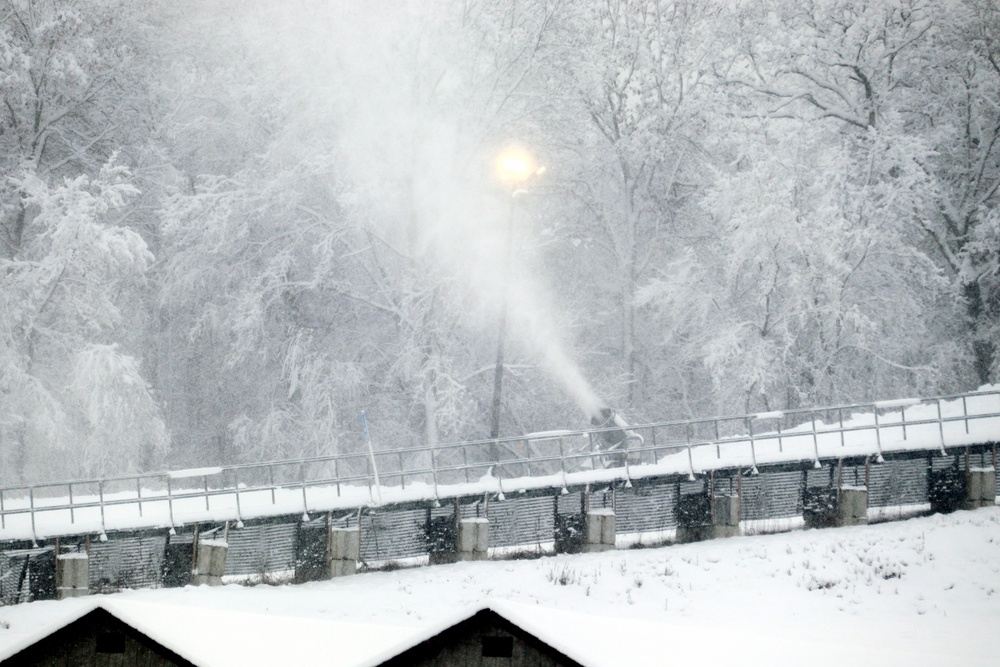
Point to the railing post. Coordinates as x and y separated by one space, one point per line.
562 462
840 418
812 416
878 436
941 427
170 500
204 479
687 435
100 494
368 478
72 515
718 447
236 489
336 472
302 473
3 516
270 478
501 496
902 419
138 493
965 413
753 446
499 470
628 470
434 473
31 502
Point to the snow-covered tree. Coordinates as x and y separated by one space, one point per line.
61 373
746 206
909 98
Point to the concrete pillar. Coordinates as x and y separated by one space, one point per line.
210 563
725 516
725 521
980 488
72 575
600 530
345 551
473 539
852 506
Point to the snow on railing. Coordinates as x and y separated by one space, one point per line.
553 459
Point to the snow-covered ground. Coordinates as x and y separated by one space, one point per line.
898 425
919 592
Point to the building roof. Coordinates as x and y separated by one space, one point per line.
222 638
89 634
449 631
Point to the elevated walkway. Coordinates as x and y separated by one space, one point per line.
492 469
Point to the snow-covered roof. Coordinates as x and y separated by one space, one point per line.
224 638
50 625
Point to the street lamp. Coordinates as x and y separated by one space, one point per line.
514 166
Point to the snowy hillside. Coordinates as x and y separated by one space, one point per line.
920 592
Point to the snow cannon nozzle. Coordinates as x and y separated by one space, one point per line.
614 439
608 419
605 417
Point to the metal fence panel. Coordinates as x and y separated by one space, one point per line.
772 494
522 521
13 577
126 561
389 535
645 508
897 481
260 548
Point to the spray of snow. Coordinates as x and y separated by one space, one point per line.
533 324
411 153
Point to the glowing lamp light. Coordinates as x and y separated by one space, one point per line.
516 165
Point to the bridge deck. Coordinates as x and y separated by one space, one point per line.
554 460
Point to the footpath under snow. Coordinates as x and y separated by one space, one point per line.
919 592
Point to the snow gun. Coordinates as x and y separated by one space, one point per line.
617 439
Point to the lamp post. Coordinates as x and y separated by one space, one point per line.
514 167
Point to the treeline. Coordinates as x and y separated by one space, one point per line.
228 227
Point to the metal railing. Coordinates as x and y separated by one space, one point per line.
451 470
